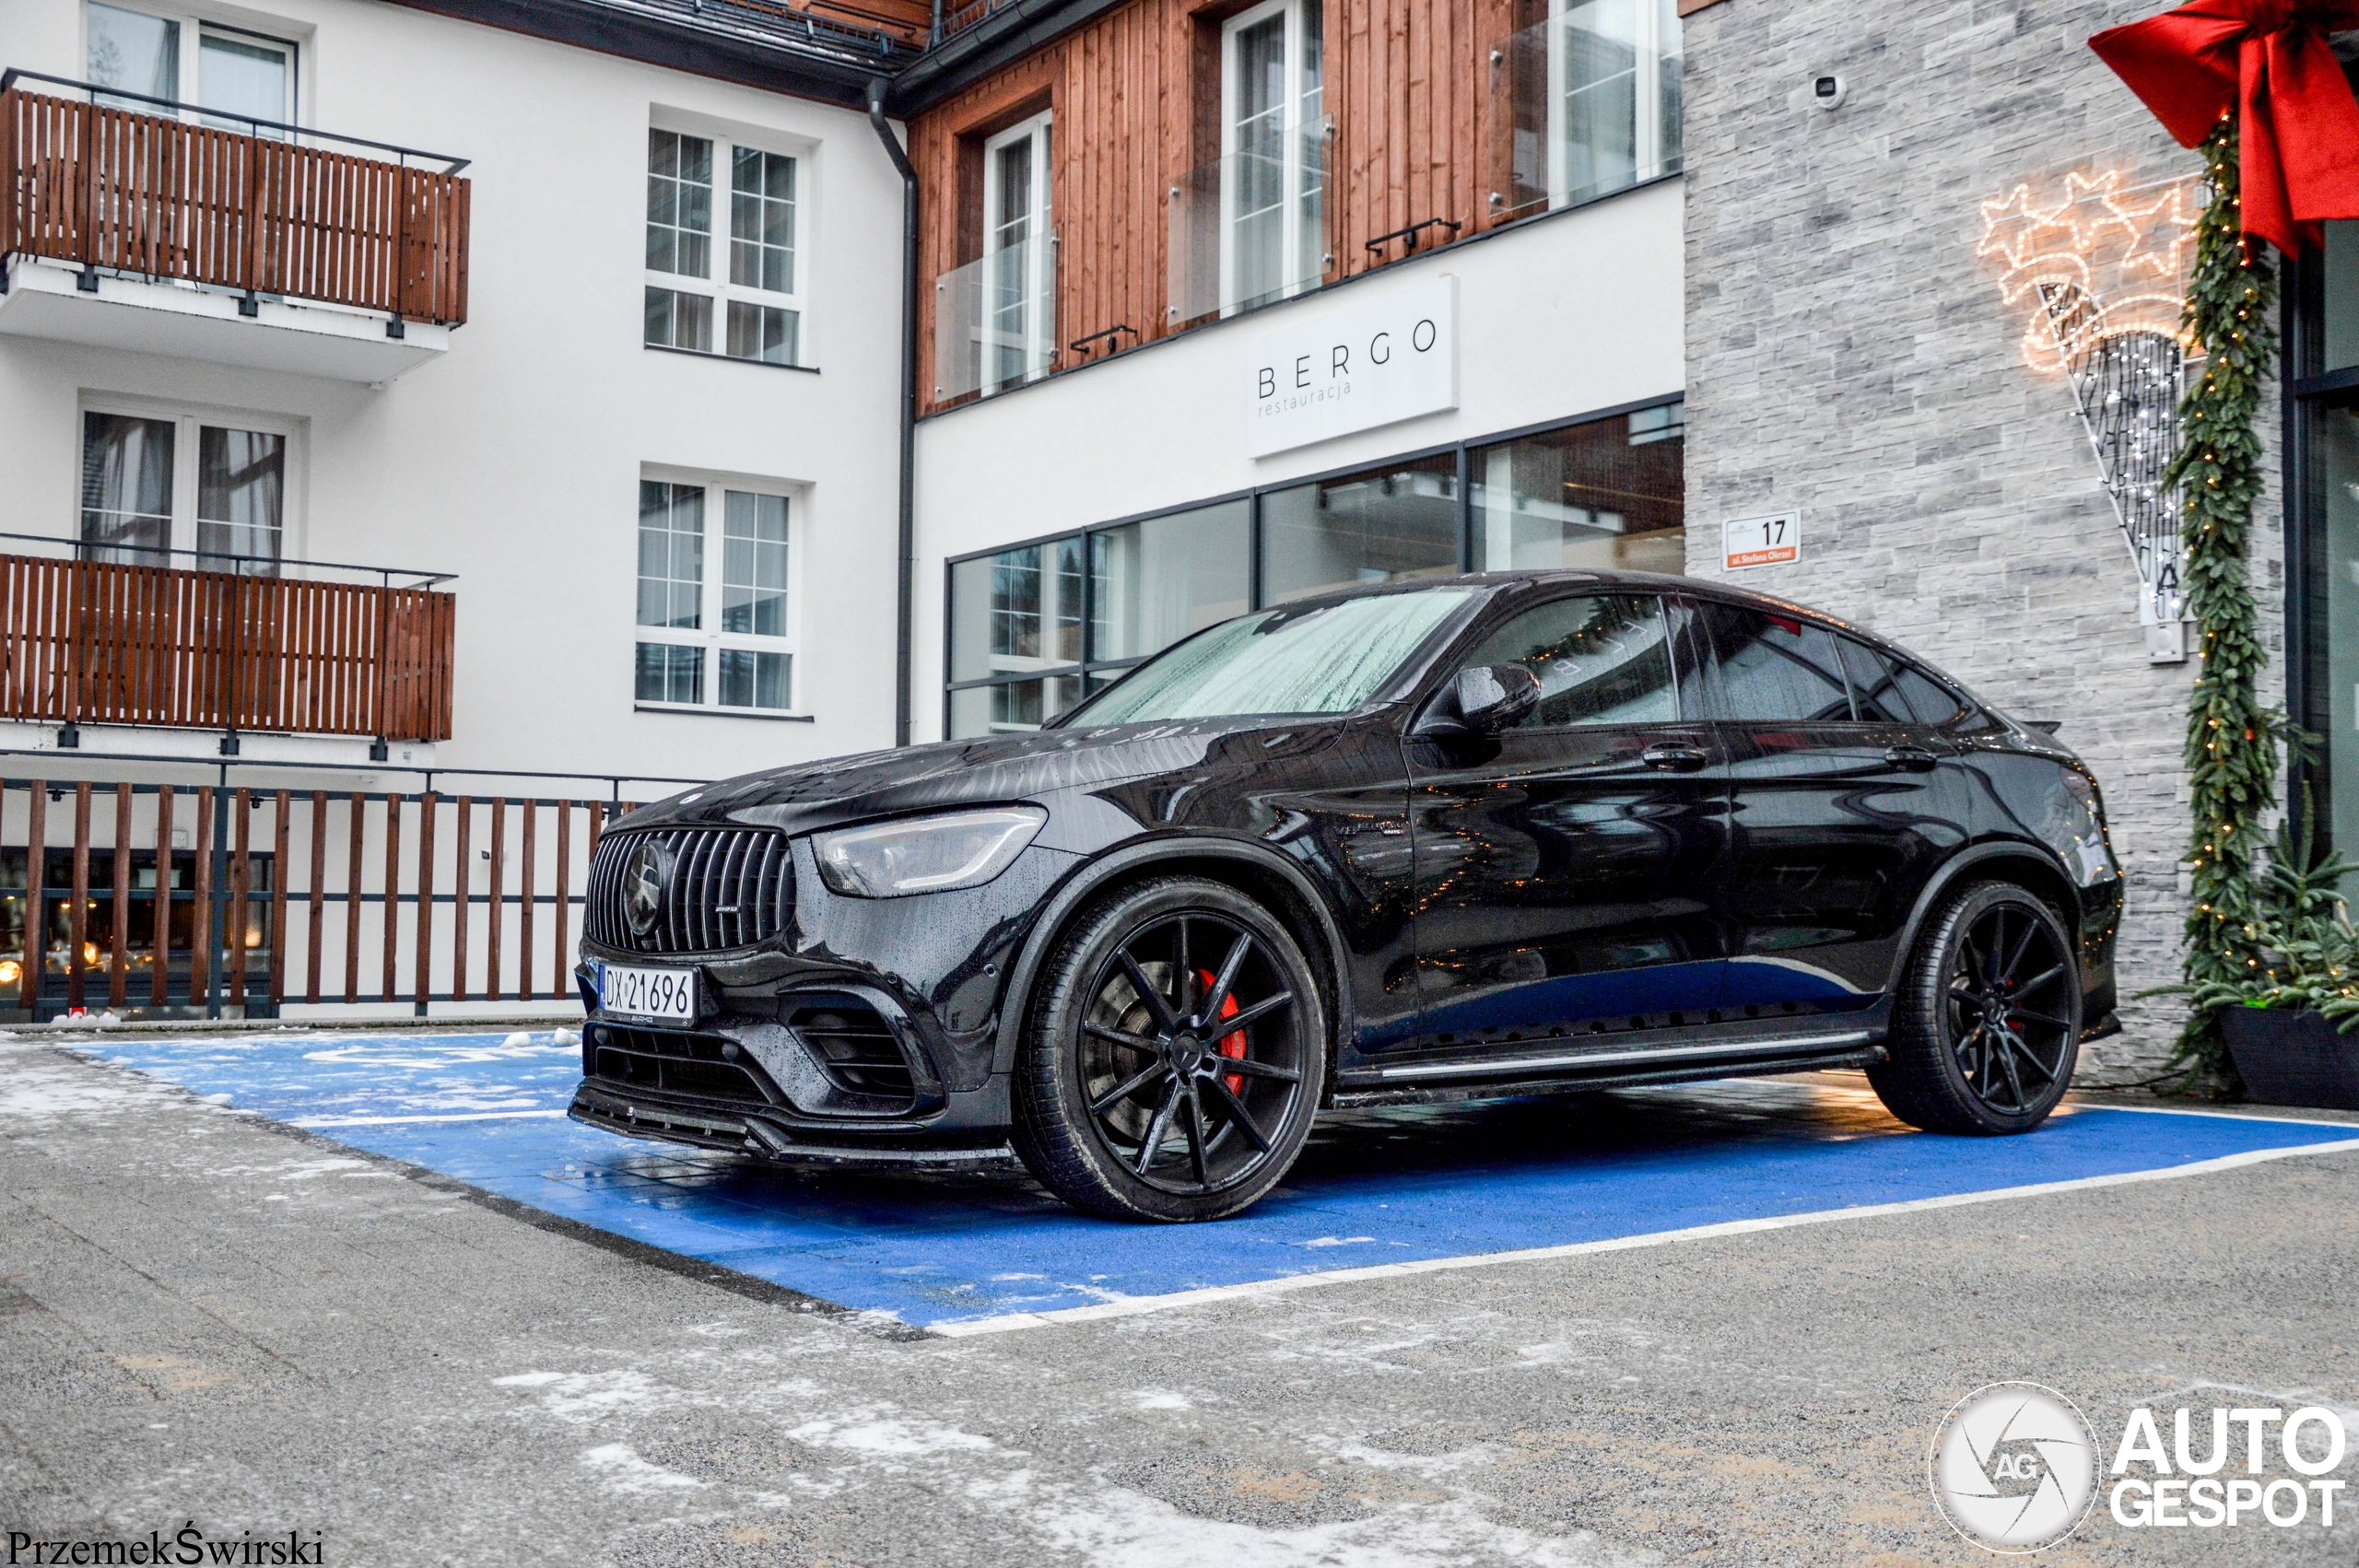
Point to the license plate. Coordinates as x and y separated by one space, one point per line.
669 995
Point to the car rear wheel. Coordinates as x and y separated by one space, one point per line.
1173 1059
1986 1023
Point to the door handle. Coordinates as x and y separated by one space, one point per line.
1911 759
1673 757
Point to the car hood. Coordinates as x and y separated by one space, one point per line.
814 795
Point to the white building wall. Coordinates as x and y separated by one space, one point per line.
514 460
1577 313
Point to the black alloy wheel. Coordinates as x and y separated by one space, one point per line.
1175 1055
1986 1023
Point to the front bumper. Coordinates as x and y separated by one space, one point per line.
866 1025
940 959
738 1128
841 1069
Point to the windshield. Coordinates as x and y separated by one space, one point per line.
1326 659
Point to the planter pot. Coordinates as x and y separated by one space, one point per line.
2291 1057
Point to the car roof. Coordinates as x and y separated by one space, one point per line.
1495 583
1498 585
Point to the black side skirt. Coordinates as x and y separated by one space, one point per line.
1698 1071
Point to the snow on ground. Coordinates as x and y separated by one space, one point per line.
37 1087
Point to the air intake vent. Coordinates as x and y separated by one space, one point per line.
689 1064
855 1047
719 888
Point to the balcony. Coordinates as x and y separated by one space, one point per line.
133 227
995 320
1584 105
117 640
1251 228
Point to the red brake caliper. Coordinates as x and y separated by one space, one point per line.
1230 1045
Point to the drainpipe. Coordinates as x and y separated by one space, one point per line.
909 564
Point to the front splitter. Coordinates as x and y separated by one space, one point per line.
635 1117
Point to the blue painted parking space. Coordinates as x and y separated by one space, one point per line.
1406 1186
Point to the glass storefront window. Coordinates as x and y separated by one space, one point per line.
2325 528
1031 628
2336 449
1155 583
1611 493
1017 611
1400 521
1148 585
2341 296
1012 706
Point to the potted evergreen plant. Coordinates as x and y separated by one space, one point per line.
2288 1023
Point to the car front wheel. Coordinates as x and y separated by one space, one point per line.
1173 1059
1986 1023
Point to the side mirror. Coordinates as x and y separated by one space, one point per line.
1480 700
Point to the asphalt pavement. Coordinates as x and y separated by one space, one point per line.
214 1319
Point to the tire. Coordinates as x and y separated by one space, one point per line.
1987 1021
1122 1106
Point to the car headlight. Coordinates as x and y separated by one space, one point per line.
926 854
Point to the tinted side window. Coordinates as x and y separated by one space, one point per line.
1931 702
1604 659
1876 692
1778 669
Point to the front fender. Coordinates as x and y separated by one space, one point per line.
1127 861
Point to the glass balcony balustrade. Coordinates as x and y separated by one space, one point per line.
1584 104
995 320
1251 228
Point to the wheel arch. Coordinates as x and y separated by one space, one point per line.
2030 866
1254 870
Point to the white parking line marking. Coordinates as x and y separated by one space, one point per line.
393 1120
1132 1306
2230 1112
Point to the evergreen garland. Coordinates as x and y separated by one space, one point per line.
2231 740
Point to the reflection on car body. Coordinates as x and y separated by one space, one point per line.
1513 833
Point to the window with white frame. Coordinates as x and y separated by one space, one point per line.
724 275
1613 104
713 639
156 481
1019 256
238 73
1272 152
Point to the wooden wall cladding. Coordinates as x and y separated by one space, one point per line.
1135 96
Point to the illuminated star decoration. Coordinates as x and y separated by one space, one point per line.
2089 264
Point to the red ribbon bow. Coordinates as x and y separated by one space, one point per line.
2270 60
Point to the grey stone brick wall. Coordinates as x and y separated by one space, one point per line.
1849 356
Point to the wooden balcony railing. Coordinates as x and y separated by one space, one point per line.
96 642
106 186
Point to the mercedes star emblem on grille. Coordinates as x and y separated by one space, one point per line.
644 875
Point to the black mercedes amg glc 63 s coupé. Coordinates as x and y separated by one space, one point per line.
1482 836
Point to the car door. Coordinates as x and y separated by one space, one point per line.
1840 808
1565 866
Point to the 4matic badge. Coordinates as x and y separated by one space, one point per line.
2014 1467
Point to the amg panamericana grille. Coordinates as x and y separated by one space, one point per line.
728 887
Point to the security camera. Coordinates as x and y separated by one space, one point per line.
1827 92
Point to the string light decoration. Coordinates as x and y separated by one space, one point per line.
2231 740
2099 274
